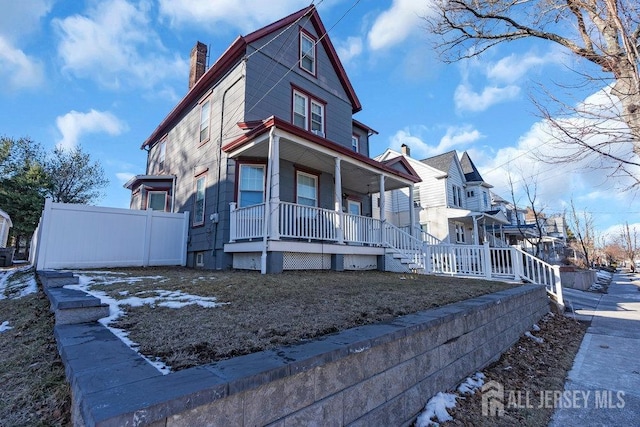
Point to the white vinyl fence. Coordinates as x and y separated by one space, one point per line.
82 236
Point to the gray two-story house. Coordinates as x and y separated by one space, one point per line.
265 154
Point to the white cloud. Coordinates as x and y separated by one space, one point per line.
74 125
19 18
245 15
17 70
513 68
456 137
123 177
114 43
500 80
349 49
466 99
396 24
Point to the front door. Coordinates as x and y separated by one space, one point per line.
353 229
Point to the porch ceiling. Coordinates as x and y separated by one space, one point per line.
356 175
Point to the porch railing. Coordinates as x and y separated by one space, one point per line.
307 222
361 229
247 223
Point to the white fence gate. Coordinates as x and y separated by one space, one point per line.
82 236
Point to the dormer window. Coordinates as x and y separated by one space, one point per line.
307 53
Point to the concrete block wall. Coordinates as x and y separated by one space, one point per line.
385 375
380 374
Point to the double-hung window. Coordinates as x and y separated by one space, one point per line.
307 53
161 155
308 113
300 110
205 114
198 208
317 118
355 143
457 196
251 187
307 189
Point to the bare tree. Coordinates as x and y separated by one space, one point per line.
629 243
584 232
604 33
530 189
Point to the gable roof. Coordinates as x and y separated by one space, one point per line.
401 164
237 50
442 162
471 173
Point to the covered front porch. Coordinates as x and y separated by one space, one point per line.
326 226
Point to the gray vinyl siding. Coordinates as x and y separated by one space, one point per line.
274 70
186 157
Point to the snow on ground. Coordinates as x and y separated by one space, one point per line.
12 288
5 326
435 412
160 298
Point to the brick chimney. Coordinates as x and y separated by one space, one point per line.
406 150
198 63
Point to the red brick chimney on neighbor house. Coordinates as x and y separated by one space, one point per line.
198 63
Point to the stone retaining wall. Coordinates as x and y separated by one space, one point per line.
379 374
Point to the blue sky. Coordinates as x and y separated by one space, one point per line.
103 74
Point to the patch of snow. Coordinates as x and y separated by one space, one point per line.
160 298
437 408
27 284
5 326
535 328
471 384
536 339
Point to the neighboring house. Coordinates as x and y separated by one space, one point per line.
452 202
264 153
5 225
550 235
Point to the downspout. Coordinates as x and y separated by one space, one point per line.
267 208
173 193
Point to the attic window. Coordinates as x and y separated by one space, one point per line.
307 53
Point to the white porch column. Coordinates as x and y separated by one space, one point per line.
337 195
382 204
382 208
267 223
475 231
412 212
274 202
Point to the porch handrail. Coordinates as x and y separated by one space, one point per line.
538 271
403 242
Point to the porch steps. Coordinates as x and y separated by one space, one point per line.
70 306
405 259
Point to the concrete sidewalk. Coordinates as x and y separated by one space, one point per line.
603 387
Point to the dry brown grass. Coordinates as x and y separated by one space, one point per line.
33 387
266 311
